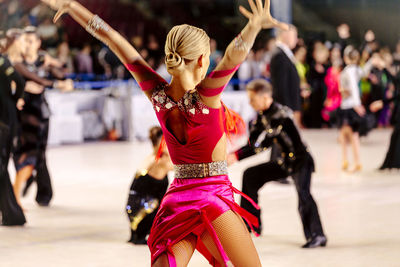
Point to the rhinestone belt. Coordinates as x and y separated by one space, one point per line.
201 170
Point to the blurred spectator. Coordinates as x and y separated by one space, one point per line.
269 49
155 53
284 77
38 13
14 14
15 45
396 54
370 44
109 61
83 60
365 56
335 53
64 56
332 81
316 80
248 70
137 42
215 56
300 53
381 87
259 63
344 35
48 32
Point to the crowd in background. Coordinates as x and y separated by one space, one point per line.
318 62
319 65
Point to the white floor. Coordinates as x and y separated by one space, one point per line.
86 224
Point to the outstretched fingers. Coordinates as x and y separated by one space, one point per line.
245 12
59 13
267 7
259 6
253 7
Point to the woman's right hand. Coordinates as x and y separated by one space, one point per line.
61 6
261 17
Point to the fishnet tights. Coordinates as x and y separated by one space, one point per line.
233 236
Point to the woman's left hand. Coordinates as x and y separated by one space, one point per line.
61 6
261 16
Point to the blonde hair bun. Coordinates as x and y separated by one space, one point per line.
184 43
173 60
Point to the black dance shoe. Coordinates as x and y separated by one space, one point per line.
16 220
316 241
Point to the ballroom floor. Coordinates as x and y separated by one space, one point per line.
86 224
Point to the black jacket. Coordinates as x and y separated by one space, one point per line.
275 125
8 98
285 80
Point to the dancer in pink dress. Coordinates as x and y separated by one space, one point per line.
333 96
198 211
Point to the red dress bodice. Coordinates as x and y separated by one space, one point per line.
204 126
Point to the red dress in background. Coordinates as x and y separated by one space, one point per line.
333 96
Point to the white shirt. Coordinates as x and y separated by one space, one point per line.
349 80
287 51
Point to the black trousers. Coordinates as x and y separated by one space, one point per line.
42 177
12 213
255 177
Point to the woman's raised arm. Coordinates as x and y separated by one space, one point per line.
260 18
147 78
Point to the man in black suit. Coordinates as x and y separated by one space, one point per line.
284 77
274 125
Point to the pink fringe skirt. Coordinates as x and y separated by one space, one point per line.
189 207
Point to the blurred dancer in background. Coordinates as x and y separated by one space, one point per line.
10 99
392 158
351 109
30 154
148 188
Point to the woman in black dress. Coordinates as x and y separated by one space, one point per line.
392 159
147 189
